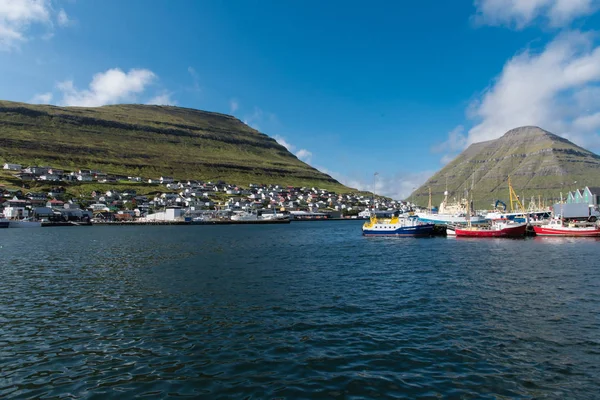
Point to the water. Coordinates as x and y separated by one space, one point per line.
306 310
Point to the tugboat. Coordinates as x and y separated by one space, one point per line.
397 226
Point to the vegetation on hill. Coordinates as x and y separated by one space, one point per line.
150 141
539 163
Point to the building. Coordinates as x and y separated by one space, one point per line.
587 195
12 167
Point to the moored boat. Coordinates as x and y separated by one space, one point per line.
557 227
397 226
3 222
24 223
495 230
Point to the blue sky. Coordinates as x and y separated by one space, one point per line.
350 87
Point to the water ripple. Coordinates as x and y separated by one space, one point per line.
299 311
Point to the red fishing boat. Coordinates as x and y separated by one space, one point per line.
507 229
557 227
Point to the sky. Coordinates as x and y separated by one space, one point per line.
397 88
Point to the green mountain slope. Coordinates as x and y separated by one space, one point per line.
538 162
150 141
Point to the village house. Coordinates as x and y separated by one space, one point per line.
50 177
12 167
16 208
36 171
84 177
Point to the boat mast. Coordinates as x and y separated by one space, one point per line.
429 204
514 199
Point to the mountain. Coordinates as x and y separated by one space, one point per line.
150 141
538 162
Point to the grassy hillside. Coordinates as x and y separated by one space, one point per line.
150 141
538 162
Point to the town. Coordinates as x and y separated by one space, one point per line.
165 199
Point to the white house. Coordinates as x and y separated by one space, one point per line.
12 167
50 178
16 209
84 178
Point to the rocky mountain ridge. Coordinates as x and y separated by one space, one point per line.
151 141
540 164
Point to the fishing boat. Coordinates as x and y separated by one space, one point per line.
558 227
450 212
397 226
497 229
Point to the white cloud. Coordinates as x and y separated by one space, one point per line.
233 106
109 87
520 13
283 142
456 141
62 18
397 186
550 89
446 158
195 79
162 99
41 98
304 155
18 16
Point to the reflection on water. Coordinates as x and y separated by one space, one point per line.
304 310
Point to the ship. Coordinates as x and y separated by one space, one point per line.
558 227
509 229
404 225
454 213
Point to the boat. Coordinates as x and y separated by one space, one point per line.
454 212
4 222
450 230
244 216
397 226
558 227
24 223
496 229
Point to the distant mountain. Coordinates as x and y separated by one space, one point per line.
538 162
150 141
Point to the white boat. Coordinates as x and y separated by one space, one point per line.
274 216
450 213
24 223
244 216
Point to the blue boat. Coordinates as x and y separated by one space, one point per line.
397 226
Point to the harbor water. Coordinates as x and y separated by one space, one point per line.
301 310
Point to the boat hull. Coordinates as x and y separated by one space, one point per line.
574 232
412 231
4 223
24 224
513 231
441 219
